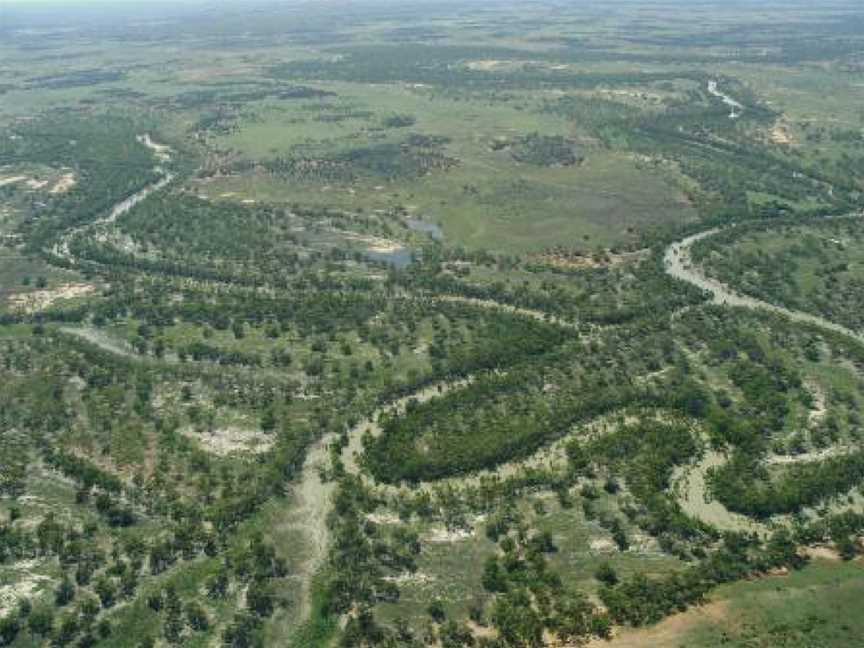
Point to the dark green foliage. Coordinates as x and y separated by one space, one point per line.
436 611
64 593
742 487
10 626
514 617
243 632
606 574
109 162
399 121
544 150
410 159
260 598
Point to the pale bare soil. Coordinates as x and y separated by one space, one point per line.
102 340
313 496
485 65
689 483
25 585
780 135
229 440
64 184
374 243
39 300
8 180
669 631
607 260
516 310
806 457
161 151
61 185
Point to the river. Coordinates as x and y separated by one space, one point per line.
737 107
162 153
678 263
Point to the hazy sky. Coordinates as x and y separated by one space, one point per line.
71 4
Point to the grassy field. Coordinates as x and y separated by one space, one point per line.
814 607
488 199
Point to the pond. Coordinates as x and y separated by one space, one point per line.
432 229
399 258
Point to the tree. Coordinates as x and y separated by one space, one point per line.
40 621
619 535
268 420
67 630
362 630
217 585
242 633
516 620
260 598
9 628
65 592
454 635
494 579
106 590
606 574
104 628
196 617
173 627
436 611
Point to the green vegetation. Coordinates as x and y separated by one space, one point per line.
811 607
358 326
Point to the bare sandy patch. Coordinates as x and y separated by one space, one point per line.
375 243
669 632
807 457
485 65
230 440
821 553
577 260
8 180
24 587
102 339
820 406
64 184
602 545
38 300
691 488
35 184
443 536
417 578
481 632
781 135
161 151
383 518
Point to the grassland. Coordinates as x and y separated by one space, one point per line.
810 607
